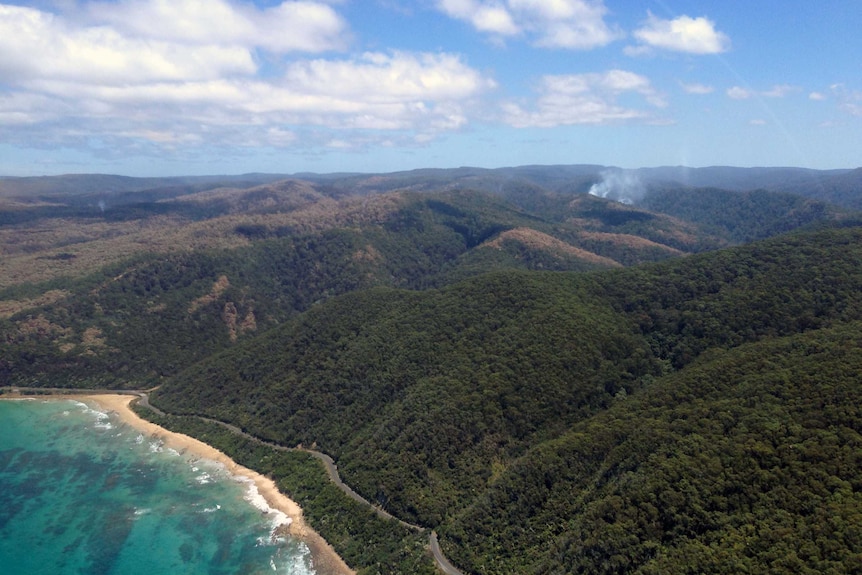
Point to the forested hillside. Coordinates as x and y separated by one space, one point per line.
223 266
747 461
522 414
740 216
554 381
133 323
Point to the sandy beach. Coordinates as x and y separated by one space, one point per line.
326 560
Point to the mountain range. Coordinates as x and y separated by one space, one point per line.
558 369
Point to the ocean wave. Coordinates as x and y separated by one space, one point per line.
277 517
297 561
103 420
206 470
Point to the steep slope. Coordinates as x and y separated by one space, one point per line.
437 405
135 322
419 394
746 461
740 216
278 248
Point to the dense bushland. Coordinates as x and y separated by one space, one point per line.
698 414
556 422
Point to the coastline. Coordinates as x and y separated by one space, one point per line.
326 560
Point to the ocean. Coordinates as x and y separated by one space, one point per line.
83 493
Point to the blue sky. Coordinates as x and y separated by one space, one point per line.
172 87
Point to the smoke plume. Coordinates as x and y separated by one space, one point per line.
619 185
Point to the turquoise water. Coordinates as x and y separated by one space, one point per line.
82 493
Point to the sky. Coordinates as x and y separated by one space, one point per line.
192 87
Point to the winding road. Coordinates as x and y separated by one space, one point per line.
443 564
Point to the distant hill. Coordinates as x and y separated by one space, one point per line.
279 247
71 185
741 216
134 322
740 179
840 187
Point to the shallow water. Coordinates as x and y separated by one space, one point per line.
82 493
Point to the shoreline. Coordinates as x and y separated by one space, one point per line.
326 560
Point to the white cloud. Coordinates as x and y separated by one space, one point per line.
849 101
682 34
854 108
816 96
424 93
584 99
36 44
777 91
757 122
699 89
569 24
738 93
780 91
490 17
286 27
21 108
119 73
384 77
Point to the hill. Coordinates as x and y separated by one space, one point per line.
516 413
741 217
87 187
191 275
745 461
156 286
275 252
553 380
69 226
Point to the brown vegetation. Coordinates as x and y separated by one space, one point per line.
540 241
218 288
57 247
629 241
9 308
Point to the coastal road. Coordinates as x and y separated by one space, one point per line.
443 564
328 464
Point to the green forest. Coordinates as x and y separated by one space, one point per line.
553 382
678 417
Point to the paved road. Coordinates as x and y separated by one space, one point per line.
328 463
443 564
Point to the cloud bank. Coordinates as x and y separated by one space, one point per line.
567 24
584 99
169 72
682 34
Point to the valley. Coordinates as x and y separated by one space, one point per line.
549 380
